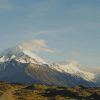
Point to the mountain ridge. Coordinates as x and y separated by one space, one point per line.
26 65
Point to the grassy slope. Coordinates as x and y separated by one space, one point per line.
44 92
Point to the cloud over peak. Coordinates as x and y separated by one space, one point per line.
37 45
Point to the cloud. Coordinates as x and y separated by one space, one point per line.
74 62
37 46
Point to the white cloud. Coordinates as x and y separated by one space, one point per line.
37 45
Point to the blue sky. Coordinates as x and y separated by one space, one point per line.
71 27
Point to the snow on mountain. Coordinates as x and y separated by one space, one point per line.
2 59
21 55
73 69
29 68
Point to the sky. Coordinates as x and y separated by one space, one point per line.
62 30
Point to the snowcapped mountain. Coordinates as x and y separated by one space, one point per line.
20 65
21 55
73 69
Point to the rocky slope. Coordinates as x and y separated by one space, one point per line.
20 65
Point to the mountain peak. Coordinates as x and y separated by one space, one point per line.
31 68
21 54
14 50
